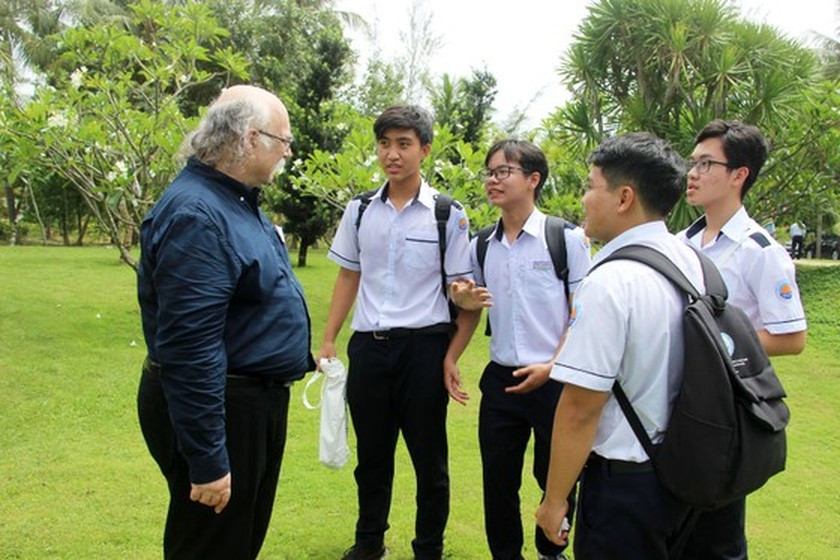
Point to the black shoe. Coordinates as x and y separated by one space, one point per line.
359 552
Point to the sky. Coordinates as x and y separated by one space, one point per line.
522 47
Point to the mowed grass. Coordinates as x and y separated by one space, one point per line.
78 482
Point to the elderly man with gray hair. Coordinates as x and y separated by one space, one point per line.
226 328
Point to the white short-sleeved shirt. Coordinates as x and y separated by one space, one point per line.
398 256
759 274
530 311
627 325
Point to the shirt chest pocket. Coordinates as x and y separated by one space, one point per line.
541 273
421 250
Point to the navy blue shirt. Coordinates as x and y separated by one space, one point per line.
217 296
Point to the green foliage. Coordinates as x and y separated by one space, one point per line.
671 66
111 122
464 105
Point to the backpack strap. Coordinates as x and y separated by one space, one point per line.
664 266
364 201
633 420
555 238
481 243
443 208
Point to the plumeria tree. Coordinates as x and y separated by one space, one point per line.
112 120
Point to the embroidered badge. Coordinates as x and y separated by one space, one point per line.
784 290
462 224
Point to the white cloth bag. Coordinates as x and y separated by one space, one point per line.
333 450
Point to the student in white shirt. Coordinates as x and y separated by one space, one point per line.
390 266
528 317
759 276
626 326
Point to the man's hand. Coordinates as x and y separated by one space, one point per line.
214 494
452 380
534 376
466 295
550 519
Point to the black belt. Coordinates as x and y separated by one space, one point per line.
616 466
402 333
233 379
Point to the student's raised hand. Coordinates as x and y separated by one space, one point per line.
466 295
533 377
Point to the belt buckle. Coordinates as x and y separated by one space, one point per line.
380 335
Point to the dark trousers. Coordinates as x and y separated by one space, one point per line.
505 423
397 385
719 534
625 515
255 428
796 246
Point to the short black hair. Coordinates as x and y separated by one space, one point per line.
743 145
406 117
526 154
646 162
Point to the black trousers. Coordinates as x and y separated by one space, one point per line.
255 427
505 424
396 385
796 246
719 534
628 515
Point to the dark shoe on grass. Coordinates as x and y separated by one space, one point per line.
359 552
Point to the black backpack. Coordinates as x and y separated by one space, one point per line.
443 208
726 432
555 238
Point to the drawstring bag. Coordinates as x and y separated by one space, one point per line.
333 450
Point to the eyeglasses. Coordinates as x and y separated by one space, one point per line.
703 166
500 172
287 140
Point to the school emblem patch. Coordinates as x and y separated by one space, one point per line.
462 224
784 290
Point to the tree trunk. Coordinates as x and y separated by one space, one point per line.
11 204
302 251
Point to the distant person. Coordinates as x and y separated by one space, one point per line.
759 276
528 317
797 236
226 329
627 327
387 246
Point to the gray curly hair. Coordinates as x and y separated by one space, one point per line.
222 130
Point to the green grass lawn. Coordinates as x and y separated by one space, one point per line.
78 482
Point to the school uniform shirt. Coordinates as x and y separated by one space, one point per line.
530 310
627 325
398 256
759 274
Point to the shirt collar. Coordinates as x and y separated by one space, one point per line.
737 225
533 226
426 195
251 194
632 236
